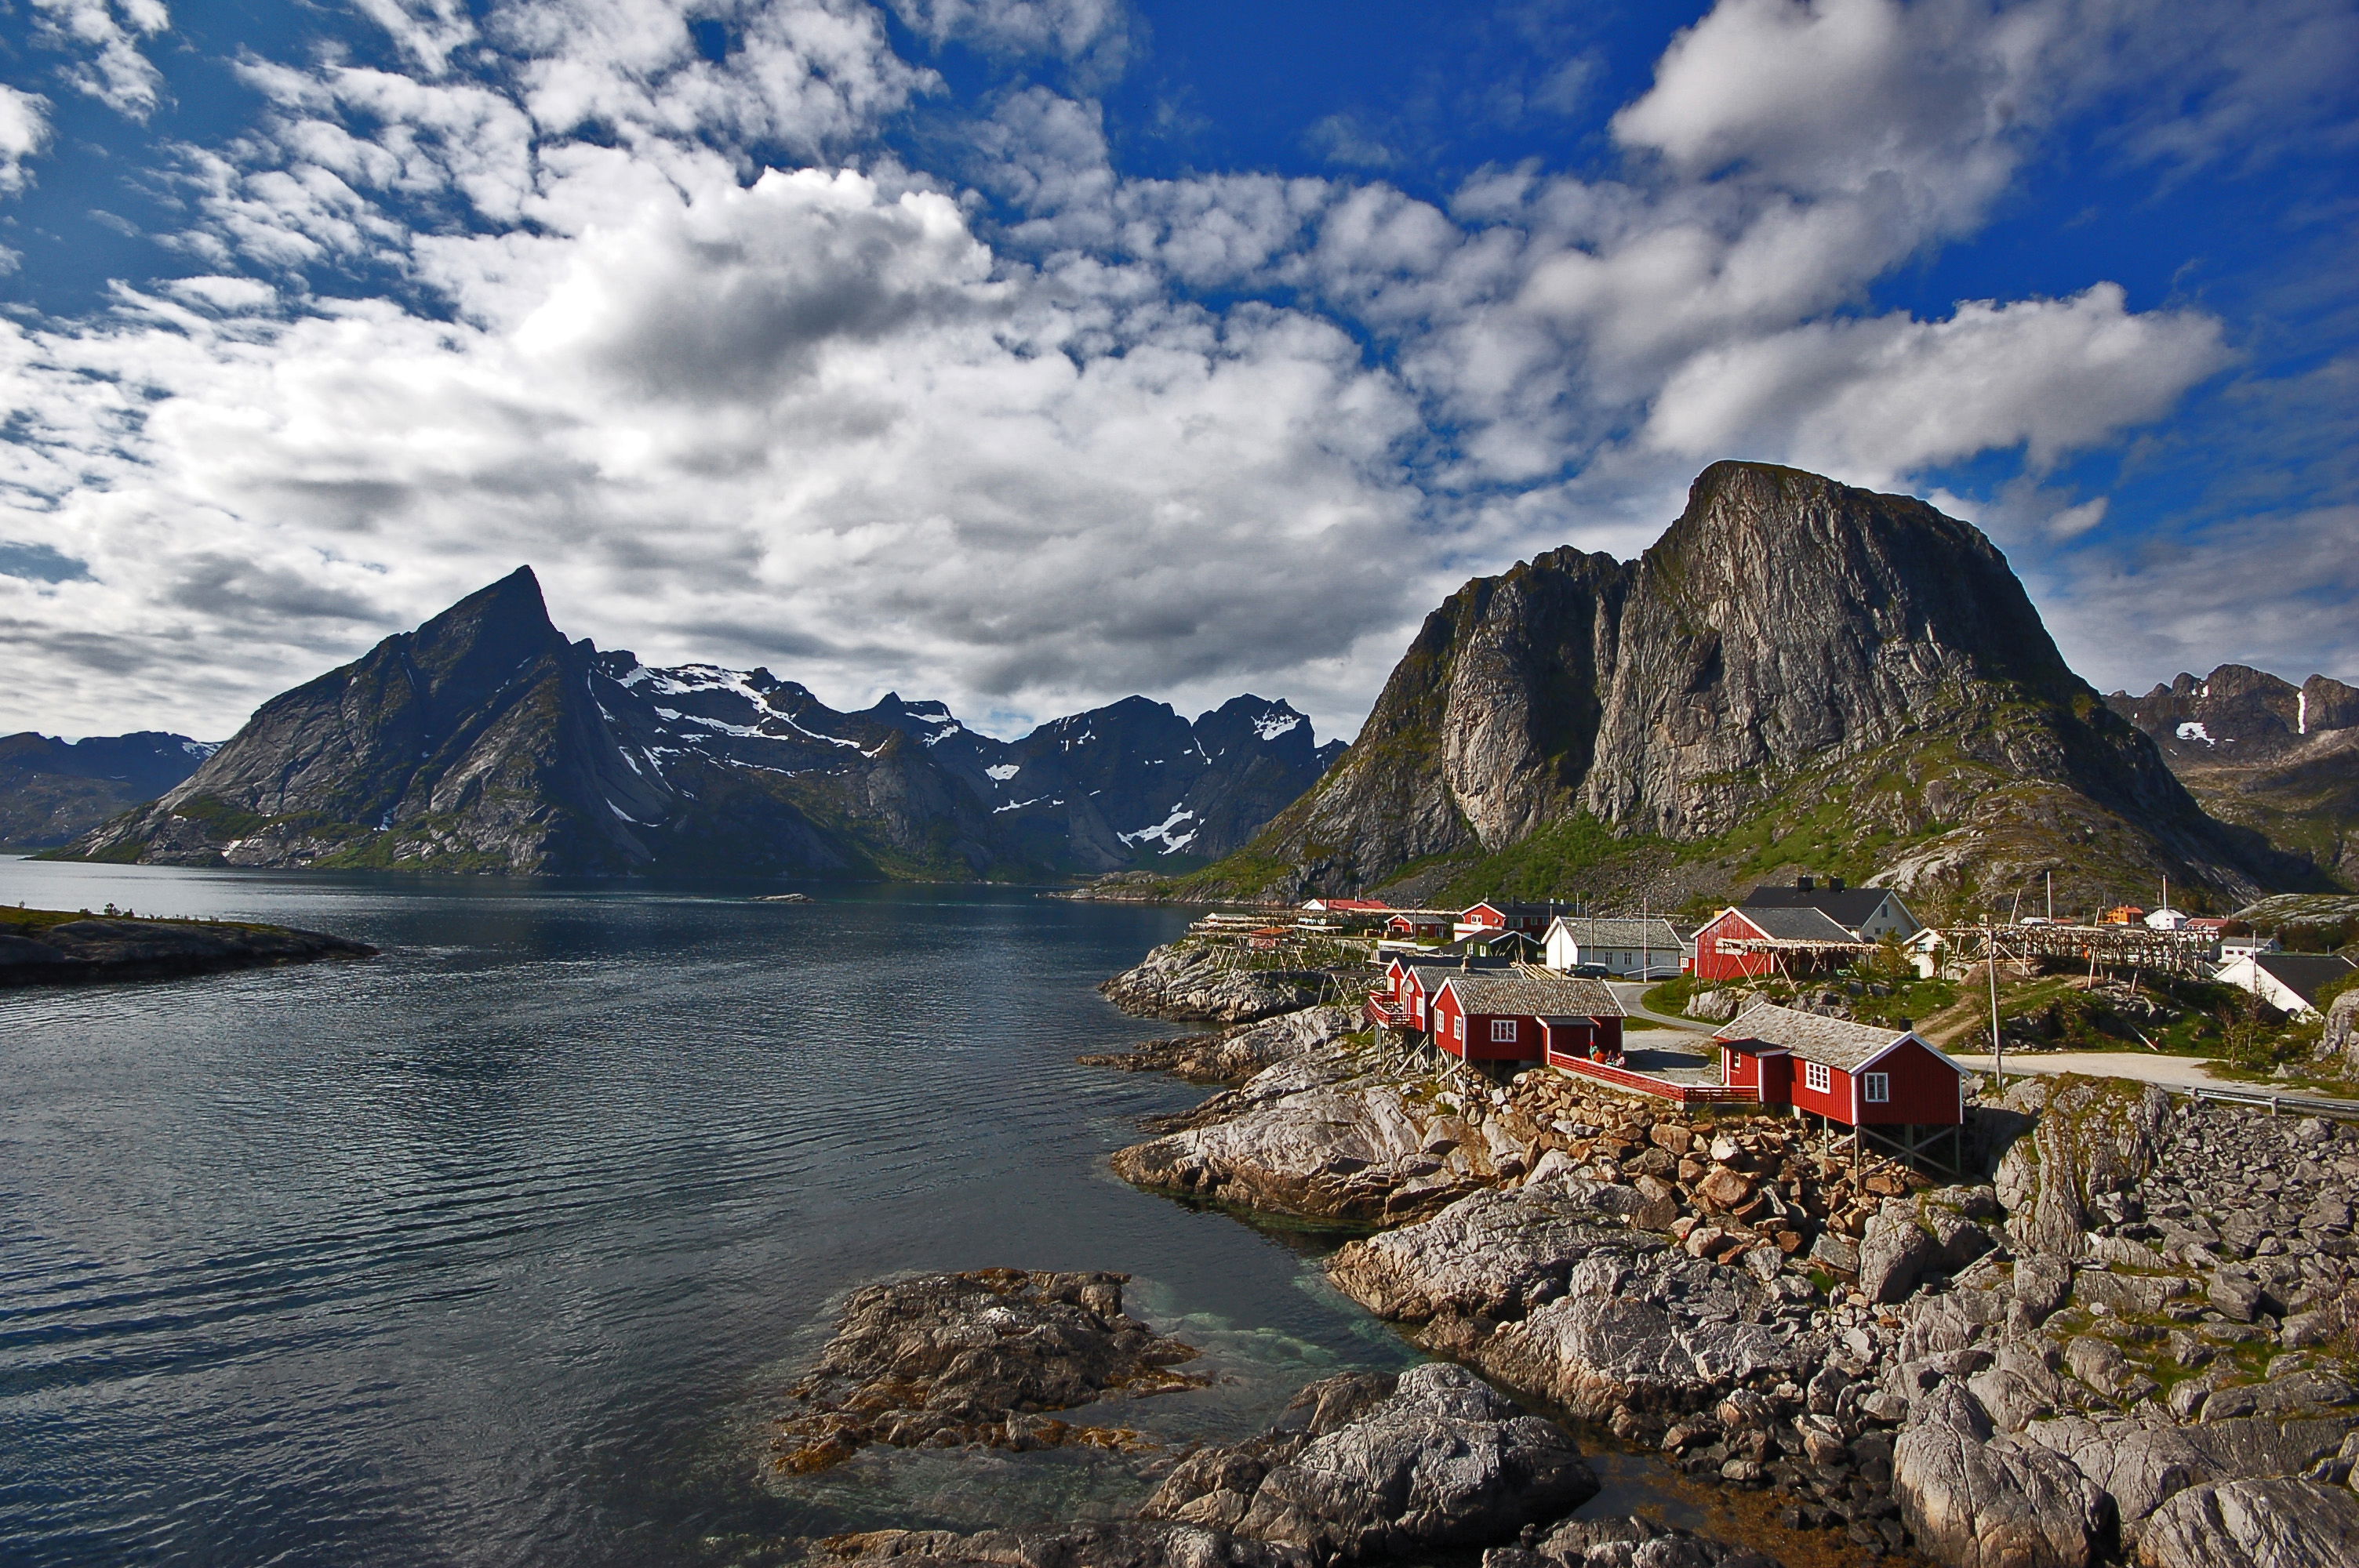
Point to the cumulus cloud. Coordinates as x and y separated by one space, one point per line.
24 133
104 37
1023 433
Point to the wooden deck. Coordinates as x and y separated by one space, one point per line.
1680 1085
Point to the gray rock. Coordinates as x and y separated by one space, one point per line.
2340 1034
2140 1465
2276 1523
1975 1499
2092 1137
1442 1460
1896 1253
1194 980
942 1359
1235 1054
2040 1286
1490 1253
1123 1543
1628 1542
2237 1298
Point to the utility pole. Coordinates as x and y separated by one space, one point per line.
2051 898
1999 1041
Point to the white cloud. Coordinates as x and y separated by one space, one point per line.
828 414
1881 397
106 38
24 133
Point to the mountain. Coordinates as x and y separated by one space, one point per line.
485 740
1797 675
2273 756
52 789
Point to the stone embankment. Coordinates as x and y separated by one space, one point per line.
1194 982
2147 1302
38 947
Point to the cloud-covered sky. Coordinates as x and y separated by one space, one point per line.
1028 353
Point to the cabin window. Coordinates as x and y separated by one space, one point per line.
1503 1029
1816 1077
1875 1088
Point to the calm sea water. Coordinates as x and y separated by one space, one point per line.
499 1248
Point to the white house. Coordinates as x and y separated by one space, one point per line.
1641 949
2287 982
2165 920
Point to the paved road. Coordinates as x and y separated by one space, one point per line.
2170 1072
1627 993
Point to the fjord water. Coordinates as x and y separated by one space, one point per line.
502 1247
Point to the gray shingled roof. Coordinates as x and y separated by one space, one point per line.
1597 931
1803 925
2304 973
1848 907
1836 1041
1525 993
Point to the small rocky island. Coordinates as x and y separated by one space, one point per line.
43 946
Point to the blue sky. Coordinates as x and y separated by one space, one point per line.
1027 354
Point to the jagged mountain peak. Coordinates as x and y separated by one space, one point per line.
1794 659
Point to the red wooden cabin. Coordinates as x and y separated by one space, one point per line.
1522 1015
1715 962
1857 1075
1419 925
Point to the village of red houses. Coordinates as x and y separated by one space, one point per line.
1505 986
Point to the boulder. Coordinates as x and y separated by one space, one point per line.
1123 1543
2141 1465
1493 1253
2276 1523
942 1359
1650 1329
2092 1137
1629 1540
1896 1252
1441 1460
1195 980
1977 1498
2339 1036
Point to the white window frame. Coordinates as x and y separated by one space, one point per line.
1818 1077
1503 1031
1876 1088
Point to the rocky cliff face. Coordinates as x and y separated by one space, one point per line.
53 790
1797 672
2264 753
485 740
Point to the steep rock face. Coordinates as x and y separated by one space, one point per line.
1793 660
52 791
485 740
2265 753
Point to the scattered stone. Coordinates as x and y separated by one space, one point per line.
1193 981
1235 1055
1628 1542
1124 1544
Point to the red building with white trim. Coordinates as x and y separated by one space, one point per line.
1523 1015
1857 1075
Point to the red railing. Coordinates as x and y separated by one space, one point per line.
1382 1012
1666 1088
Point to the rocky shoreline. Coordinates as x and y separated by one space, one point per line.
45 947
2131 1336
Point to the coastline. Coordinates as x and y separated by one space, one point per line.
44 947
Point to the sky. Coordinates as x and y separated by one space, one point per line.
1025 355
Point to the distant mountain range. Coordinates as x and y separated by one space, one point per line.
2264 753
486 741
1797 676
52 791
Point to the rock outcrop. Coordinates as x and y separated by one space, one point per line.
1114 1544
2093 1137
1630 1542
1371 1468
1235 1055
38 947
2281 1522
977 1357
1790 648
1975 1499
1188 980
